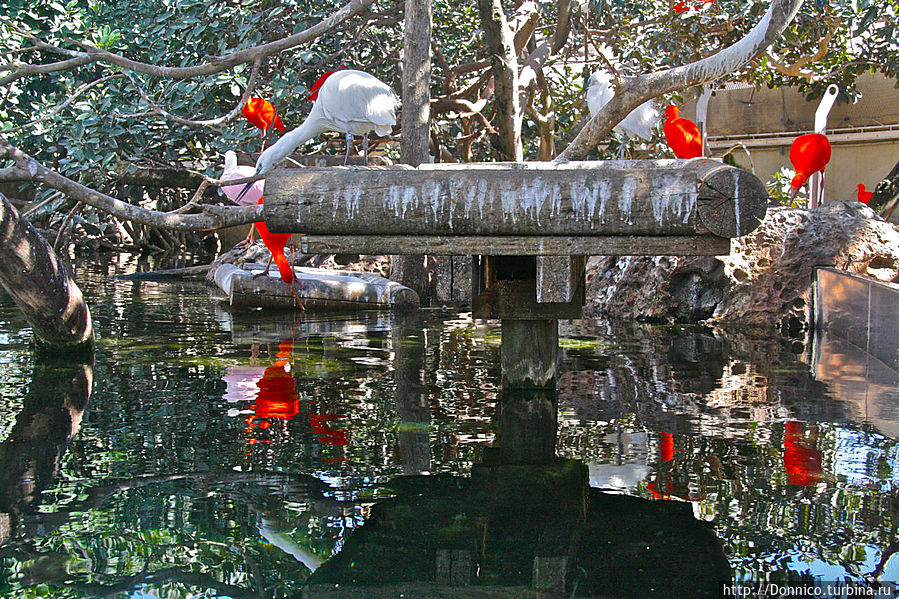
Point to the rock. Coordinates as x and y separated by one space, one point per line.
764 283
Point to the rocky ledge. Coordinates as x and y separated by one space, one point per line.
764 283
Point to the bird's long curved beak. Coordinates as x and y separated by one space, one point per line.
793 192
243 192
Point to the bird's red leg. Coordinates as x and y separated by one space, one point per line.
264 273
297 296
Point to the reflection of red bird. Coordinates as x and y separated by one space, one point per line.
260 113
864 196
666 447
802 460
809 154
682 134
275 243
326 432
277 397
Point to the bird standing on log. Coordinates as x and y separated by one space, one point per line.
252 196
275 243
809 154
347 101
640 121
682 134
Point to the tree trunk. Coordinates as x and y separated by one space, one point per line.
501 45
41 286
409 270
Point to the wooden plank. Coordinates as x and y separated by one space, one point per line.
616 197
509 245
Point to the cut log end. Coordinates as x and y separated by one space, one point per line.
731 202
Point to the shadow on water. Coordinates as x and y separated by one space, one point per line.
259 455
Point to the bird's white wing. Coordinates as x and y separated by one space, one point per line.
358 102
642 120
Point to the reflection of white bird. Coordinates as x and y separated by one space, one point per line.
639 123
349 102
251 196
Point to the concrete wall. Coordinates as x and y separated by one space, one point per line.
864 135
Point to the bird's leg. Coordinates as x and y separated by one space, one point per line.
264 273
349 146
622 147
365 148
297 296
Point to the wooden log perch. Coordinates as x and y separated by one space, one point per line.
42 287
319 288
650 199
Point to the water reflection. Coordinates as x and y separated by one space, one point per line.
252 454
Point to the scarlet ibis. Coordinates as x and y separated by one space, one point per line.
261 113
864 196
275 243
640 121
234 171
682 134
809 154
313 91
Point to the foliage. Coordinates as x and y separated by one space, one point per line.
108 127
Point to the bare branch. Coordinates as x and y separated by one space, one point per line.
156 109
645 87
795 69
211 217
24 70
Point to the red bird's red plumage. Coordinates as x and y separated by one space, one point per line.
260 113
809 154
682 134
864 196
275 243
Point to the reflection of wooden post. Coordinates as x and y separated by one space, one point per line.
41 286
411 394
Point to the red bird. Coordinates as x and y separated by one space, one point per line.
682 134
809 154
260 113
275 243
864 196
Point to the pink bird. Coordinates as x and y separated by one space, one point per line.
254 193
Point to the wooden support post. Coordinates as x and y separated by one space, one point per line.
560 278
530 353
42 287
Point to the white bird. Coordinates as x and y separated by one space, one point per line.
246 196
639 123
349 102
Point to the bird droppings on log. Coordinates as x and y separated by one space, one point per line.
320 289
608 198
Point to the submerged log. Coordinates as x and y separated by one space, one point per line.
608 198
42 287
319 288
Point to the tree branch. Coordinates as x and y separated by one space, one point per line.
211 217
795 69
216 64
652 85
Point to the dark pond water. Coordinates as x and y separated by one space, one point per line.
206 453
